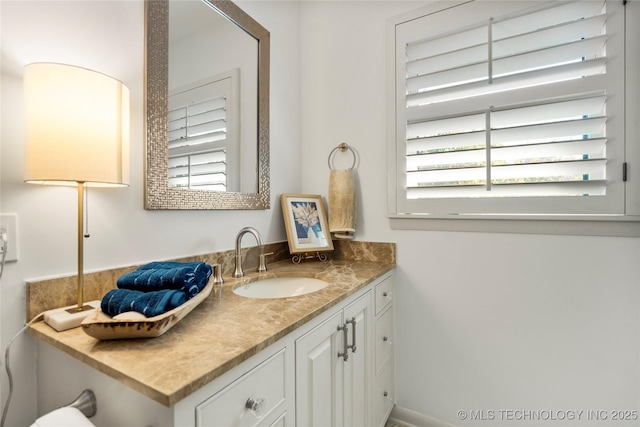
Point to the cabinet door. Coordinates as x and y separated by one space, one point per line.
357 369
319 373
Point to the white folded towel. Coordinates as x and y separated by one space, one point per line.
342 204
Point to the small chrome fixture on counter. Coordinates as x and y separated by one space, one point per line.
238 270
217 274
262 267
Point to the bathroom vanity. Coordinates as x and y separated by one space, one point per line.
324 358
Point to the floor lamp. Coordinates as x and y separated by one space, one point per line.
77 133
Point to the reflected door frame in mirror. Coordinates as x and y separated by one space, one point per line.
158 194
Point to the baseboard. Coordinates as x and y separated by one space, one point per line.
411 418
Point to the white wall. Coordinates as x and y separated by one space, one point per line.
108 36
485 322
555 326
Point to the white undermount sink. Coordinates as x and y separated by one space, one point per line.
280 287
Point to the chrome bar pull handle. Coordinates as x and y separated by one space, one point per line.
345 345
353 334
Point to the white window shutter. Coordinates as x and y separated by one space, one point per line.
204 134
197 145
511 108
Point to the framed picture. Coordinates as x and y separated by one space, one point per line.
306 223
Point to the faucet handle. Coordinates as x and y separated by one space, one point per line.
263 264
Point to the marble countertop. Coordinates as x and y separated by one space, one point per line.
219 334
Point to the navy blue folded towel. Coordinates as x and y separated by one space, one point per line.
150 304
156 288
189 277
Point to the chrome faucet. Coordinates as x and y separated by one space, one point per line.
238 271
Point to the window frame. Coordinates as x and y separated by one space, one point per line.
624 224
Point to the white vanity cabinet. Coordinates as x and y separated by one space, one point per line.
334 370
333 365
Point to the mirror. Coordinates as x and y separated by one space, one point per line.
222 161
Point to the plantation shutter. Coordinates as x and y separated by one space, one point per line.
514 109
197 145
204 134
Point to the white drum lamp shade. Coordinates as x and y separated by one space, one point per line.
77 126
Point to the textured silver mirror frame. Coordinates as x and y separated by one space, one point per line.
158 194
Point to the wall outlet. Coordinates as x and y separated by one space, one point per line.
8 223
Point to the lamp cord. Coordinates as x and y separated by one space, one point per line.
4 253
8 369
7 351
5 247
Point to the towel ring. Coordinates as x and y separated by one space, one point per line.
342 147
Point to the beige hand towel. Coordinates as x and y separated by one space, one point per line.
342 204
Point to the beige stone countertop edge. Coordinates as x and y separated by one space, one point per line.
219 334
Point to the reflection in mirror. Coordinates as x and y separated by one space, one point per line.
213 103
207 107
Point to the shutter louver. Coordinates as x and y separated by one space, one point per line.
514 107
197 145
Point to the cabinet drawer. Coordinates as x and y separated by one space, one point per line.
384 338
384 395
384 294
281 421
228 406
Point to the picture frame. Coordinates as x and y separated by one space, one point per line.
306 223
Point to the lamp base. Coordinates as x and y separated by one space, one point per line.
70 317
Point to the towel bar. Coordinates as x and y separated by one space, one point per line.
342 147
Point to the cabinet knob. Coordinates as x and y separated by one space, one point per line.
386 339
256 406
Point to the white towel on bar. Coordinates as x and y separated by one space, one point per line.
342 204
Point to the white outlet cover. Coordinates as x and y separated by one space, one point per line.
10 223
